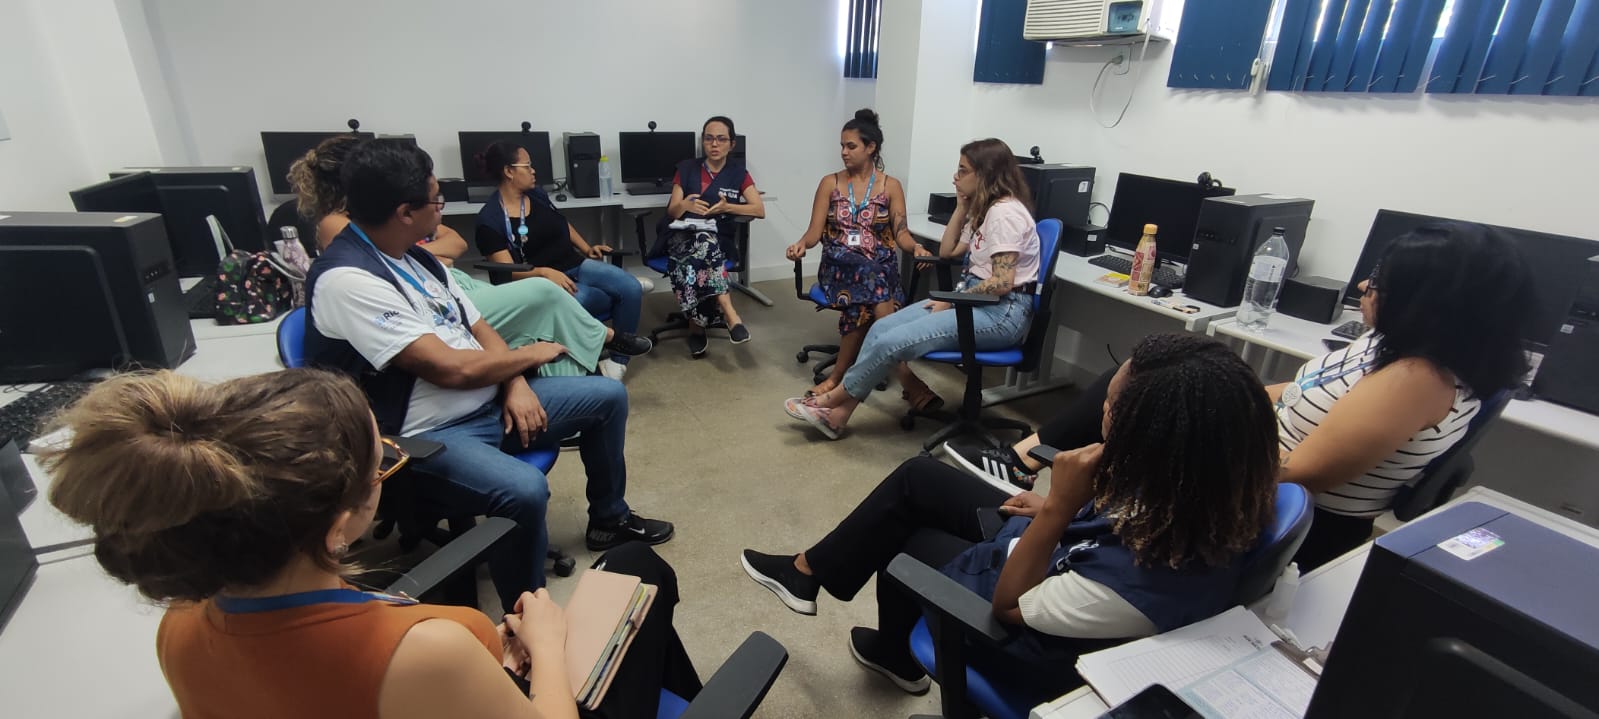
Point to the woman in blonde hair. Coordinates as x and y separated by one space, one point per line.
993 227
236 503
523 312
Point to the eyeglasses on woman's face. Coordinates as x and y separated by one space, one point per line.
716 139
393 459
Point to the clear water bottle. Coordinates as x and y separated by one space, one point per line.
605 177
1265 280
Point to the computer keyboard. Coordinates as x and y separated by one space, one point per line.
201 299
1352 329
22 418
636 190
1164 275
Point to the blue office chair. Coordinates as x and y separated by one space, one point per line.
1444 475
1022 358
420 519
956 616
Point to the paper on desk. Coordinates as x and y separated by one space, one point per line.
1266 685
1175 658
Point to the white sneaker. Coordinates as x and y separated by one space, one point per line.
646 284
613 370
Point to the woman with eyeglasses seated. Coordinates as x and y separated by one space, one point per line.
718 188
993 227
523 312
859 272
235 505
1141 534
1447 304
520 224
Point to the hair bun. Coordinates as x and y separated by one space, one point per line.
866 114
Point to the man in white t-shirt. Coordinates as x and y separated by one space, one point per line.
386 313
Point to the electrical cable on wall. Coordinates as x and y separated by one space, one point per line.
1092 109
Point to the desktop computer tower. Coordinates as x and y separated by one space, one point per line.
582 163
1569 373
1061 191
100 292
1226 235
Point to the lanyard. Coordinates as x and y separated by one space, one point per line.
521 221
1295 391
251 605
855 210
397 268
712 174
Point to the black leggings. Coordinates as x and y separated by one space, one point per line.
656 659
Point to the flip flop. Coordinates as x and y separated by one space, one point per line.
792 406
815 417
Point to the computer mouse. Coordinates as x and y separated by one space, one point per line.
1159 291
560 197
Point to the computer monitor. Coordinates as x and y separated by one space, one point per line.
183 209
1556 263
283 148
241 213
537 144
740 149
1473 611
650 158
1171 205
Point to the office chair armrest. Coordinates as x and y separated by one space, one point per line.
800 291
461 553
744 219
419 449
738 687
503 266
973 299
947 601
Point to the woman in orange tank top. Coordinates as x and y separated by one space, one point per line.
236 503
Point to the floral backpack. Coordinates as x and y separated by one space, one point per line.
258 286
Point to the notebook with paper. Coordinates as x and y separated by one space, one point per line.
602 617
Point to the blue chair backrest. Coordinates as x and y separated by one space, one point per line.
1048 252
291 338
1290 523
1446 472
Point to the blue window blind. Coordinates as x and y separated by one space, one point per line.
1519 47
1002 54
1354 45
1217 43
860 49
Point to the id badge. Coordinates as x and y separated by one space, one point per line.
853 238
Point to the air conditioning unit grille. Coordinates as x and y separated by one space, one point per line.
1058 19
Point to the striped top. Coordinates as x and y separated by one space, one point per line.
1319 384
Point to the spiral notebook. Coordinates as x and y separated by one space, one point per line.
602 617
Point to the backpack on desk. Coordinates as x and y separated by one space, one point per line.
254 287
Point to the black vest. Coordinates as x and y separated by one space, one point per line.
727 185
388 390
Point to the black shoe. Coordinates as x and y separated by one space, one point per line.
739 334
697 344
898 665
631 528
627 343
778 574
997 466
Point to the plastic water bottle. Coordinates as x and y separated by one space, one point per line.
1265 280
1143 263
1282 593
605 177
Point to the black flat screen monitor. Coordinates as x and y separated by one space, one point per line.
1171 205
283 148
652 157
1556 262
240 213
183 209
537 144
71 280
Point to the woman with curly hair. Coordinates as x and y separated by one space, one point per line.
1141 534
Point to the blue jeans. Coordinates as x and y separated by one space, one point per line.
913 332
474 475
604 288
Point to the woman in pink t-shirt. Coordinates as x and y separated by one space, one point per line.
993 227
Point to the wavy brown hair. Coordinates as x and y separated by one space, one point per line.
1190 463
315 177
998 177
191 488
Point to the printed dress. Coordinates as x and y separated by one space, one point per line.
855 277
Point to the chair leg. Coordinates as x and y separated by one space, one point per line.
950 649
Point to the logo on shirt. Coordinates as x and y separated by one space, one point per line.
389 320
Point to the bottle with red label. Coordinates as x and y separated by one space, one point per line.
1143 263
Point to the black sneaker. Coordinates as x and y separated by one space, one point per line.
631 528
739 334
627 343
898 665
997 466
778 574
697 344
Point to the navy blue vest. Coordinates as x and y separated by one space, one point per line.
725 186
1170 598
389 390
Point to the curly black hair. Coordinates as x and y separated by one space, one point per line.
1190 462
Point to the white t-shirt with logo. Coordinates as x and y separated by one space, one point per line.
358 307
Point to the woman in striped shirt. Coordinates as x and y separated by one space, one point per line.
1448 304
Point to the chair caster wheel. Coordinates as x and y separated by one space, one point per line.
802 357
565 566
882 386
907 423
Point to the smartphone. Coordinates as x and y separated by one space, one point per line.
1043 453
990 520
1334 345
1154 702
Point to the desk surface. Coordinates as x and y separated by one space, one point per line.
624 200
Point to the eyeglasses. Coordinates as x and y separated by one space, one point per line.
393 459
717 139
962 172
439 201
528 165
1371 281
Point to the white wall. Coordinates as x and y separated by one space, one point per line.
43 159
433 69
1519 162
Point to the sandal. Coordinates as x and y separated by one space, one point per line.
928 401
792 406
813 393
818 417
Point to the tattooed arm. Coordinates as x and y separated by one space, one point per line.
1003 278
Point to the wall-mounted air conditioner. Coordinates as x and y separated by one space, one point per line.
1087 19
